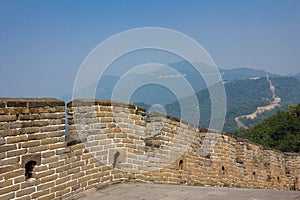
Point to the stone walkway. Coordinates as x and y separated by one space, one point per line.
139 191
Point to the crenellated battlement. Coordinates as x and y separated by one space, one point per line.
109 142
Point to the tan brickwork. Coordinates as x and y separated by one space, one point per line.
109 142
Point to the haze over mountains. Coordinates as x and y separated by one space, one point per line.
248 91
297 76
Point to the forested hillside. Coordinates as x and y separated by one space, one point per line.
280 131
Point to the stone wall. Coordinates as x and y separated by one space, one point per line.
109 142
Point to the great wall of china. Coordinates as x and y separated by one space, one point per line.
273 104
110 142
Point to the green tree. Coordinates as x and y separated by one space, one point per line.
280 131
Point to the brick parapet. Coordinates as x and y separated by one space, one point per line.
109 142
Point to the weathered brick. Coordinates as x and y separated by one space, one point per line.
56 134
30 144
11 132
29 117
4 126
62 192
62 139
37 148
85 178
8 196
32 182
93 182
62 180
49 141
14 111
62 174
57 121
45 186
40 193
57 146
92 171
2 155
19 179
49 178
105 168
14 173
56 164
63 168
26 197
73 170
87 156
2 141
40 168
39 110
47 197
9 161
7 118
46 103
104 179
29 130
52 115
5 148
78 163
16 152
57 109
40 123
2 105
5 183
106 119
16 139
26 191
44 173
52 128
9 189
76 152
50 159
78 146
6 169
62 151
72 183
58 187
37 136
3 111
48 154
75 176
19 124
72 159
16 103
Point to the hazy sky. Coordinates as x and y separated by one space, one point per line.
43 43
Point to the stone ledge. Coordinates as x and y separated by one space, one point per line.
91 102
30 102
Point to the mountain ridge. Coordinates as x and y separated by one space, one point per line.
244 97
247 90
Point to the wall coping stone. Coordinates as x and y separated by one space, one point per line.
91 102
30 102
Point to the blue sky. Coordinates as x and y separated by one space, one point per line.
43 43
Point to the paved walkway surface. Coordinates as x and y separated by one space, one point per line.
175 192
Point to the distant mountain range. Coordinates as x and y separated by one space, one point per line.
297 76
244 97
162 95
246 90
244 73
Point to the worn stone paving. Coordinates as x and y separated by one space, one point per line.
142 191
